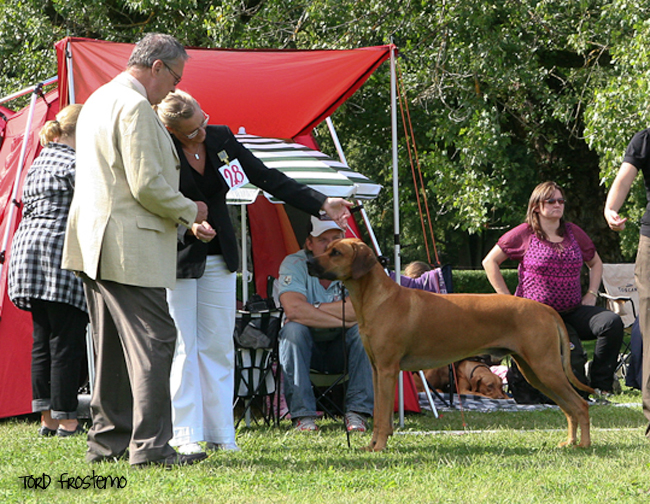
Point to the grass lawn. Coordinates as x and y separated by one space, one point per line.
470 457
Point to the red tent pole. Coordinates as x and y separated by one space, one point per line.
28 90
68 64
9 225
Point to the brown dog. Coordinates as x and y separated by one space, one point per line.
473 378
476 378
412 329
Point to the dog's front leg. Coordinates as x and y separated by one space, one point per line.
385 380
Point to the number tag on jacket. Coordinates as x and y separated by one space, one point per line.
234 174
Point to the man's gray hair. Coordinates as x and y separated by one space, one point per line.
156 46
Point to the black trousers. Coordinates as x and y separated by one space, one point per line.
58 356
596 322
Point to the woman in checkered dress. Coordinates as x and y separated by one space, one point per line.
37 283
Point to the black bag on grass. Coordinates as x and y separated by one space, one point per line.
524 393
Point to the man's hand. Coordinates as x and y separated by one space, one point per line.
203 231
338 210
615 221
202 212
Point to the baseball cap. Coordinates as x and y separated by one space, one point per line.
319 226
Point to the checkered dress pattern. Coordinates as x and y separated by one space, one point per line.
35 264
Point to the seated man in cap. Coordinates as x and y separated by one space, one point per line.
311 336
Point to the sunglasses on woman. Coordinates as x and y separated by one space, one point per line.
553 201
203 125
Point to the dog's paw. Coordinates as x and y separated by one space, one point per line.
374 446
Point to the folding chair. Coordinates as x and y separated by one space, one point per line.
325 382
622 298
620 294
257 372
324 386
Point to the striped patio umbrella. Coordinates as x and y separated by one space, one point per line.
310 167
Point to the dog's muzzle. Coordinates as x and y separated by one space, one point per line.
313 268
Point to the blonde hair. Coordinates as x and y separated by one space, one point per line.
64 125
176 107
540 194
416 269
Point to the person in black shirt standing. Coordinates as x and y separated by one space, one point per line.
637 159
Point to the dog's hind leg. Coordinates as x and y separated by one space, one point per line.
384 380
557 387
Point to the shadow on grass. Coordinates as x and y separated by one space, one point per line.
429 454
512 438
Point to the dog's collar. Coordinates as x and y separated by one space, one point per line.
480 364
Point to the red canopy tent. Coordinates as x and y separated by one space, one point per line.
275 93
16 325
272 93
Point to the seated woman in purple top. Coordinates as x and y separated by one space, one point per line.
550 253
420 275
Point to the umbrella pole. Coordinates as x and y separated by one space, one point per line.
90 344
244 286
244 256
398 266
364 215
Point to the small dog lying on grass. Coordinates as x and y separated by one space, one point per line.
474 377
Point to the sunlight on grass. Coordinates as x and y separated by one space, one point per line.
505 457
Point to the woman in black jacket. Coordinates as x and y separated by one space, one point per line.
203 302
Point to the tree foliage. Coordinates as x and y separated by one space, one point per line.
621 104
501 95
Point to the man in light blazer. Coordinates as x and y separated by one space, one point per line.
121 238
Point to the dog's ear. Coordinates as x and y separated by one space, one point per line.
475 382
364 260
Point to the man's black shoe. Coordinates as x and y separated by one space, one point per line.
46 431
61 432
178 459
95 458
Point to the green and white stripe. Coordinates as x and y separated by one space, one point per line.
307 166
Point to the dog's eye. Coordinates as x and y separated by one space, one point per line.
334 252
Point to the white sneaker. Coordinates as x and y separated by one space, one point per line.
190 449
305 424
223 446
354 422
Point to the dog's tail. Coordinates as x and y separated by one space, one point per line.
566 357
